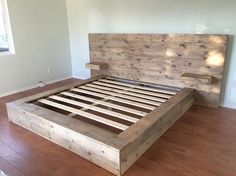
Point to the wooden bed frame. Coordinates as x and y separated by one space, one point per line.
111 121
138 114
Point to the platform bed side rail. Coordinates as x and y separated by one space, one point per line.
145 132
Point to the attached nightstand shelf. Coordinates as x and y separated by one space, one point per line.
97 66
208 78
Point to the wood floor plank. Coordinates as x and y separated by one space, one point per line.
8 168
19 162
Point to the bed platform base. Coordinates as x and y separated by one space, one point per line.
108 121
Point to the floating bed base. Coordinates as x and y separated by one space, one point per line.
108 121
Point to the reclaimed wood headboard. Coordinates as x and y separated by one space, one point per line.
181 60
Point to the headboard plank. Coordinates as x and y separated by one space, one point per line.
163 58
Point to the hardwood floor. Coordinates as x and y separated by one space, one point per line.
201 143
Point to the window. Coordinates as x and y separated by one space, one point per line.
6 41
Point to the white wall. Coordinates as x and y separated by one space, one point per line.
152 16
40 33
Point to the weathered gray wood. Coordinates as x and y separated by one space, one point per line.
97 66
85 114
163 58
76 125
111 105
90 142
122 100
114 152
158 99
208 78
147 86
116 84
150 102
145 132
95 108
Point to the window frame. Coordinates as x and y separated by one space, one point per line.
6 19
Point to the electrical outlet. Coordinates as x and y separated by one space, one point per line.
41 84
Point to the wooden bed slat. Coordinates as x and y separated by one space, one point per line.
106 87
85 114
133 89
111 105
127 93
121 100
122 96
98 109
116 81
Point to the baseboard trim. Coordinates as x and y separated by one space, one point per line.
228 105
3 94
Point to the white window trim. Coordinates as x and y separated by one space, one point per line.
8 29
